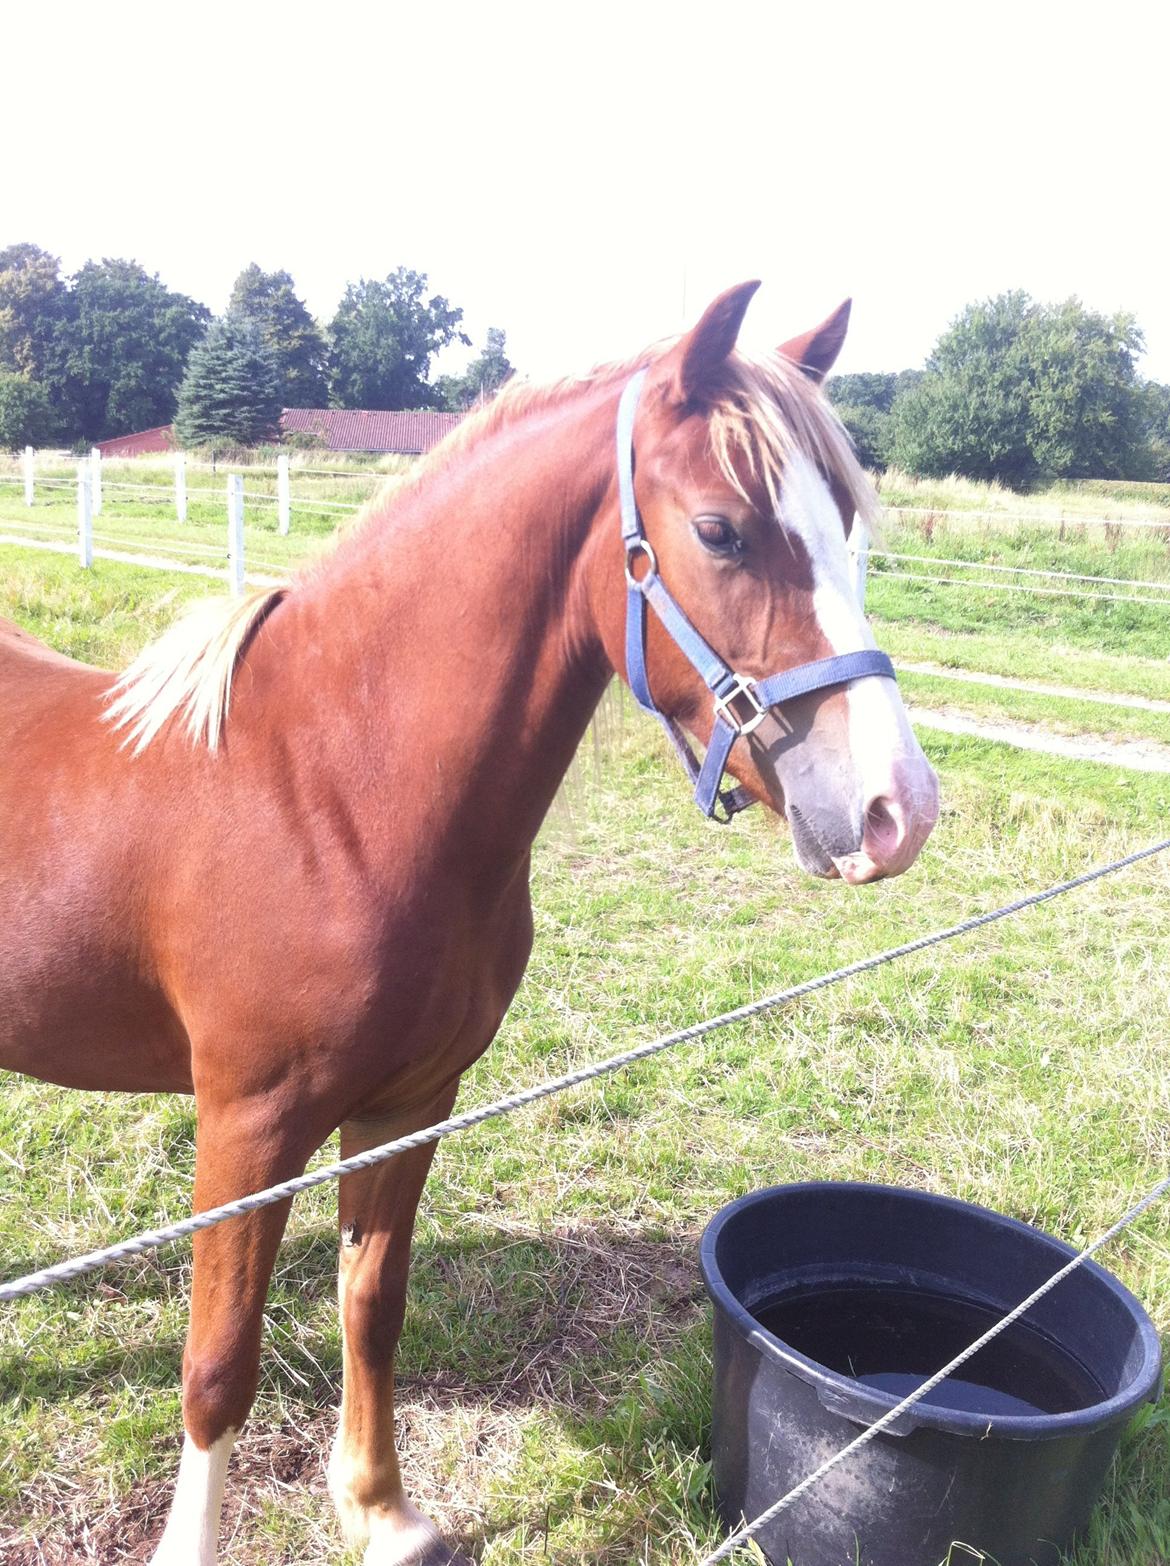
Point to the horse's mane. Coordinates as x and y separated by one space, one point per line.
765 412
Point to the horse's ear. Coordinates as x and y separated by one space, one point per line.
816 350
696 361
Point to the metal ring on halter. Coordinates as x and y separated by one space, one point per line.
640 546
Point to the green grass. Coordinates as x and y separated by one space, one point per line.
556 1360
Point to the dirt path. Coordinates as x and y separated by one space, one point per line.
1138 755
1037 687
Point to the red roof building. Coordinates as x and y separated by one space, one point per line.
143 444
336 429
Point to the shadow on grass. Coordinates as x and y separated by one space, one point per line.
503 1321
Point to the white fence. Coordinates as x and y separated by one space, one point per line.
96 495
867 564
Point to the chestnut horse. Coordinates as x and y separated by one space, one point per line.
312 911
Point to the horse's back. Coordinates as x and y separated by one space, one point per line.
34 675
18 645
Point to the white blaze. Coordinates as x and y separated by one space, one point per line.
885 753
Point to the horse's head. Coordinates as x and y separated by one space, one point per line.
746 491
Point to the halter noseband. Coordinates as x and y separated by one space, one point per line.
741 704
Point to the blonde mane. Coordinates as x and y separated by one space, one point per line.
766 412
189 670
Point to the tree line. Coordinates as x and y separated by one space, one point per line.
1019 392
1014 390
110 350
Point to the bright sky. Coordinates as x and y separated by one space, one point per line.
582 175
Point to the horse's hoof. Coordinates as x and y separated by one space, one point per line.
441 1554
431 1551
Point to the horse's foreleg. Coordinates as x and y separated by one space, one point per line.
233 1263
377 1210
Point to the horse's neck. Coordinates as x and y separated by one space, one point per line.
448 650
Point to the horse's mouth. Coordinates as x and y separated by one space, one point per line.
820 846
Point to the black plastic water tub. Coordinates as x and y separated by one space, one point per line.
832 1301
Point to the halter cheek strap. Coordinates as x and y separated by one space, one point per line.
740 704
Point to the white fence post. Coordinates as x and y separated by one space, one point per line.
235 506
859 558
84 516
30 458
95 480
180 486
283 499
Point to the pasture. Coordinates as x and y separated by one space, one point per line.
554 1367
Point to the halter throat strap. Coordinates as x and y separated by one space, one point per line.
740 703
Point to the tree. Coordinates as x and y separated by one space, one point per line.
34 306
1156 416
383 339
869 389
128 339
869 430
26 414
1019 392
864 404
1086 405
482 378
289 332
230 389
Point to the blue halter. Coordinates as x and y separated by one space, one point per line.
741 704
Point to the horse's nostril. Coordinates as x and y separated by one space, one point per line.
884 827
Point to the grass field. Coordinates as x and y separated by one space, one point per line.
556 1359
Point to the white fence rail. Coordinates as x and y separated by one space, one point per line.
867 564
185 491
92 489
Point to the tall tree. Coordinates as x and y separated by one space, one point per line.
289 332
230 390
382 341
483 377
1086 405
1018 391
1156 414
34 309
128 341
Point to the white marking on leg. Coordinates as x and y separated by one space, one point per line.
401 1539
192 1531
393 1535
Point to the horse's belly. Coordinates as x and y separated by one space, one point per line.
76 1007
68 1027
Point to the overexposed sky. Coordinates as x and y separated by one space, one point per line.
582 175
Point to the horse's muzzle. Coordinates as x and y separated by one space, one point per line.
883 839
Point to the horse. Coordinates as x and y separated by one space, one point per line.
282 861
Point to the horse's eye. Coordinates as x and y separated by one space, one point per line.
718 535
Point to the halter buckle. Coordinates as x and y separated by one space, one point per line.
746 689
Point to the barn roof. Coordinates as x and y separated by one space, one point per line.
362 429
